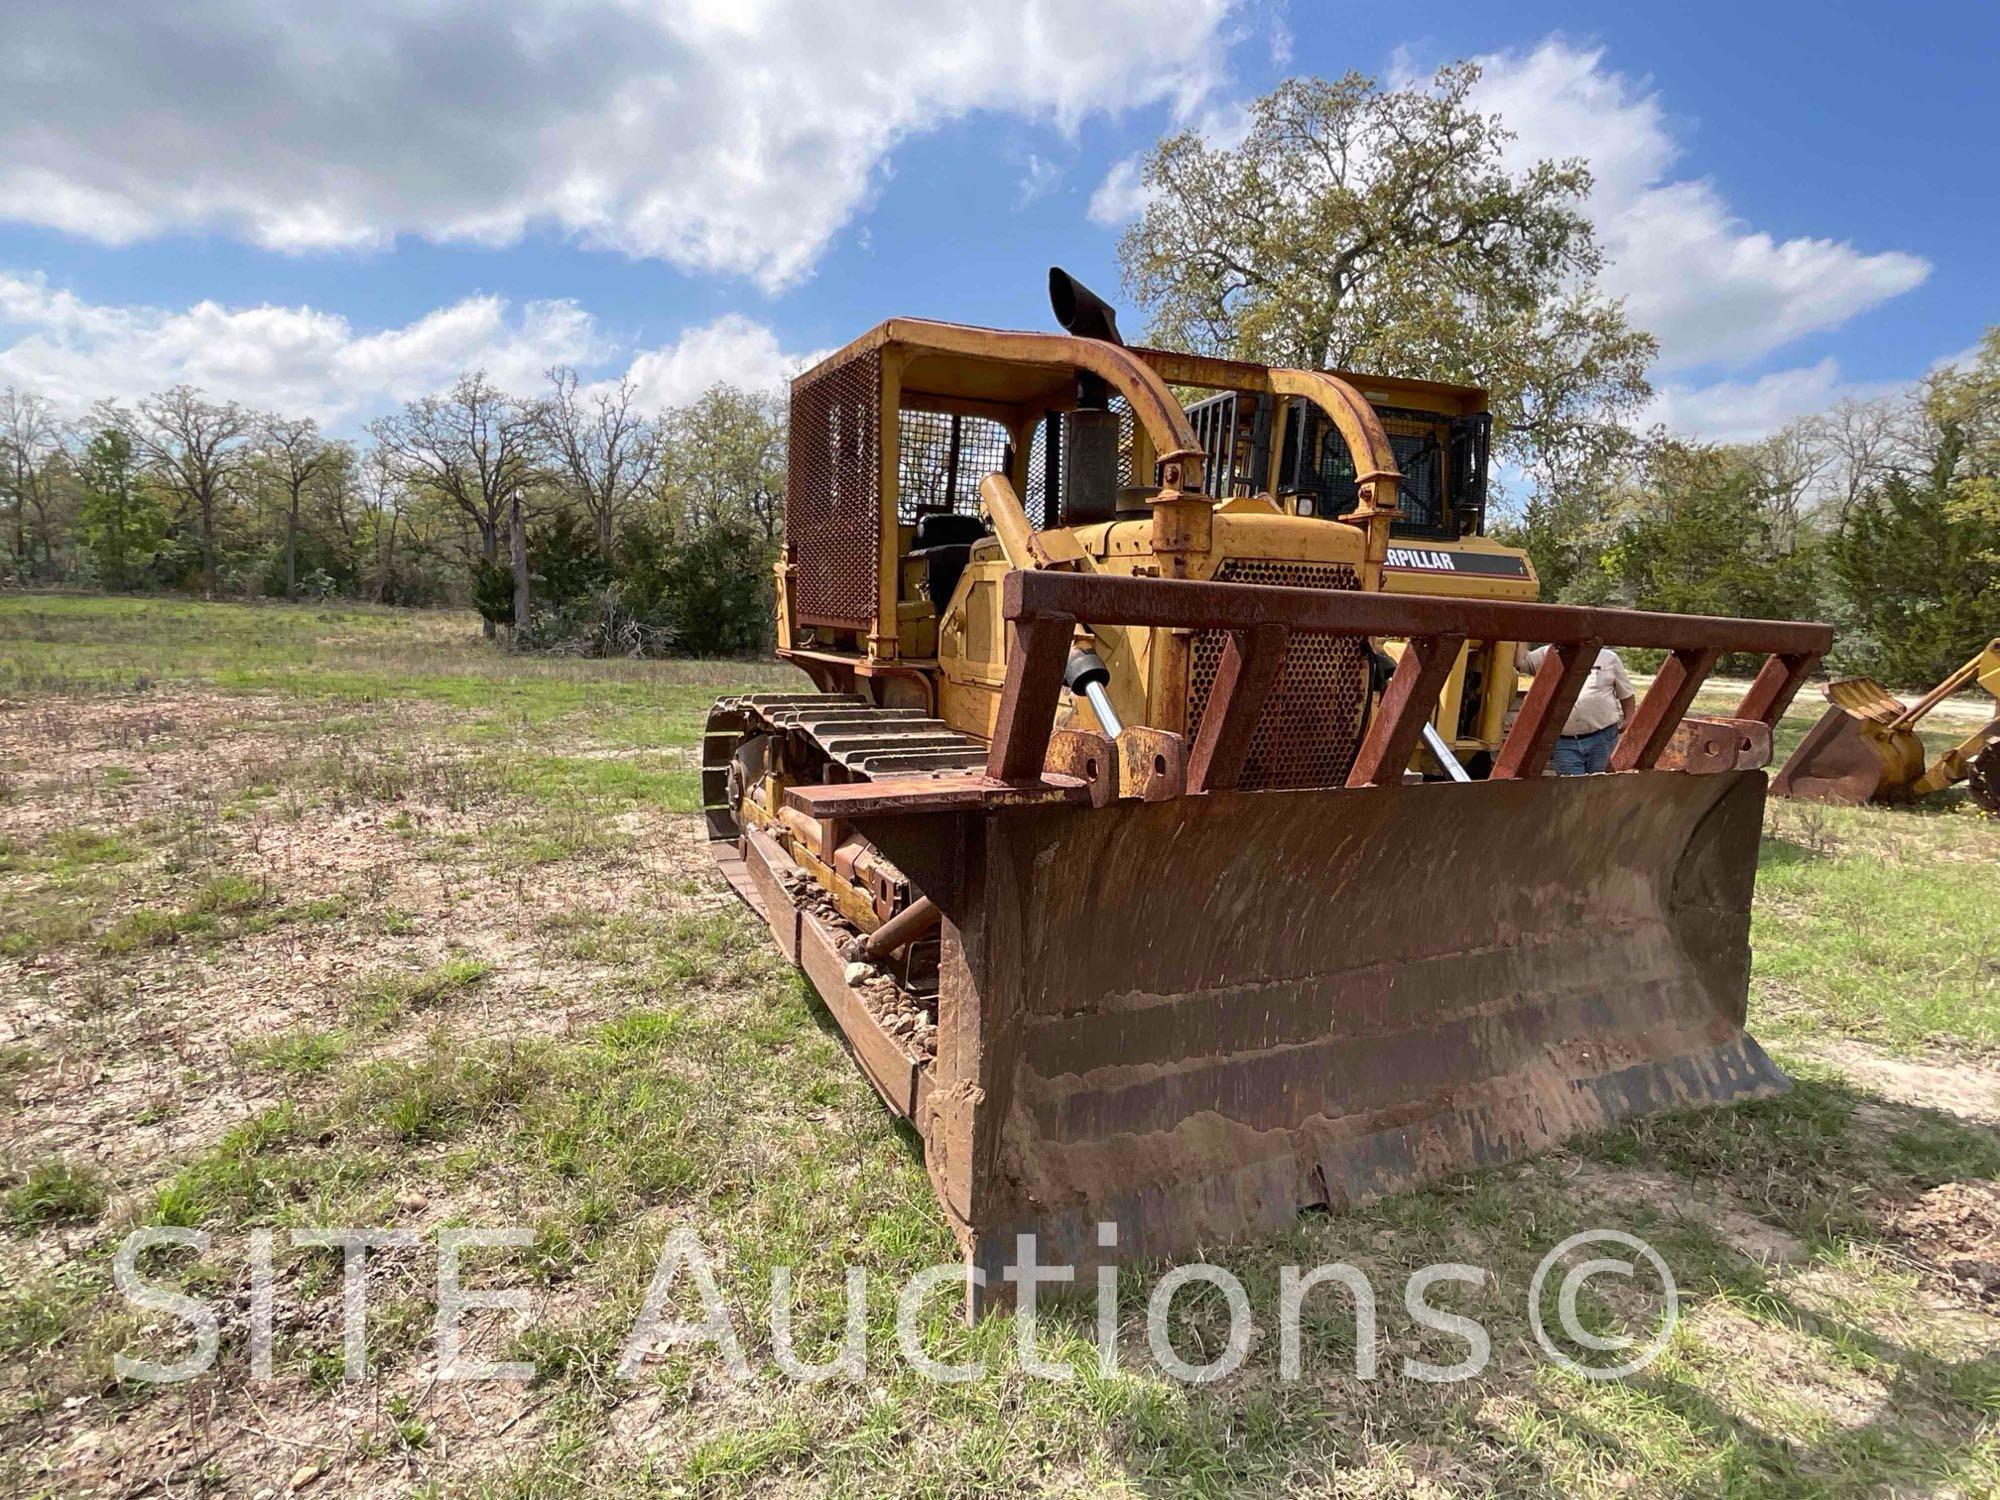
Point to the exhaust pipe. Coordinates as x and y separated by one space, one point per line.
1091 430
1081 311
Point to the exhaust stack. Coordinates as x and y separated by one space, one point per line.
1091 431
1081 311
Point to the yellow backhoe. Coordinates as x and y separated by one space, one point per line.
1153 834
1865 748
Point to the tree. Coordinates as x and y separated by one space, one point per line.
1963 408
1381 230
197 447
605 452
725 461
120 523
1790 468
474 449
1862 440
1917 561
294 451
713 590
382 499
1695 536
30 442
1919 585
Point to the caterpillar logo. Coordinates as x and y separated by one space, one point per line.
1437 560
1422 557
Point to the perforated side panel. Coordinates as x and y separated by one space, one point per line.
1311 726
833 493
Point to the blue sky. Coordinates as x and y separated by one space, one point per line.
331 212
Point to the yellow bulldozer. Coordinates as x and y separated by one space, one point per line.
1153 835
1865 748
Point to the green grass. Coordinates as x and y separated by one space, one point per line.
358 654
382 999
203 914
36 923
54 888
66 853
272 1169
54 1191
1881 924
302 1054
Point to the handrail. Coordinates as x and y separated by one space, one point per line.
1378 477
1360 427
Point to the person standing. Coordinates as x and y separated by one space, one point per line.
1602 710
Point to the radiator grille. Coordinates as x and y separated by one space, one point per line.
1311 726
833 493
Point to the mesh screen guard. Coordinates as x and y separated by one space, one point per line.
833 493
1310 729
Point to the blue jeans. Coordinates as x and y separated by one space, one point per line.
1585 754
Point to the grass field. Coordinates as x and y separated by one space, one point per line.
340 917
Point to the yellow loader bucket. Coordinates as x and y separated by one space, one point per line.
1858 752
1866 749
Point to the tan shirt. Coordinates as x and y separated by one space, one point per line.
1597 705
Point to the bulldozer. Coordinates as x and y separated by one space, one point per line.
1865 747
1125 836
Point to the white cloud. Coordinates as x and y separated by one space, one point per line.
732 136
1964 360
1740 411
306 362
1121 197
1038 179
732 348
1714 289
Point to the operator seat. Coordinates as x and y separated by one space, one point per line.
944 544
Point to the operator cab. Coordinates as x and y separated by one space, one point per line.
1441 434
1289 450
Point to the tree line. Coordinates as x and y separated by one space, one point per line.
573 518
577 522
1882 516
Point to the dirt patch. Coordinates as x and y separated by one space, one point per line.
1954 1231
366 857
1964 1088
1676 1198
1789 1367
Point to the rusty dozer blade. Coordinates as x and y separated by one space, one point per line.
1192 1010
1195 1018
1860 750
